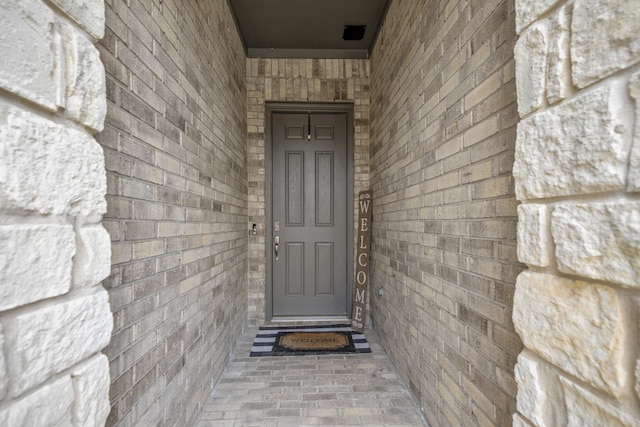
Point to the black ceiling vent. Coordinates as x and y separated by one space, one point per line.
353 32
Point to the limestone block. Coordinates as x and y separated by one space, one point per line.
49 405
51 339
28 67
4 375
591 344
91 388
577 147
89 14
86 96
634 163
538 396
604 39
559 65
528 11
532 399
518 421
531 69
533 235
585 409
93 261
49 168
600 241
35 263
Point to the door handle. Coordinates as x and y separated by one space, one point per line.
276 242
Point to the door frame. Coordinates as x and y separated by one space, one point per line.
306 107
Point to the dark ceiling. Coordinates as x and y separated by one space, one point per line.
307 28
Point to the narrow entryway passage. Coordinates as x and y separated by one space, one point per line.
336 390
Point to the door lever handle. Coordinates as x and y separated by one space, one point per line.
275 245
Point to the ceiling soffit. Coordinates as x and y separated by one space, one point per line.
306 28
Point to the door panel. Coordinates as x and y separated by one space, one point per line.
310 207
294 268
324 269
324 189
294 200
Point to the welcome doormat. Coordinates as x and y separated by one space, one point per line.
306 340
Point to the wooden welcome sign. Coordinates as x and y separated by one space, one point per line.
362 262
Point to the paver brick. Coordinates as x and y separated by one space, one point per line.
355 390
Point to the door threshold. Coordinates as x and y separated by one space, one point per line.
309 319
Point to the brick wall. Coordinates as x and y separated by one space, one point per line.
297 80
443 130
54 316
175 151
576 171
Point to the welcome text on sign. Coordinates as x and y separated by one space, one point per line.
362 261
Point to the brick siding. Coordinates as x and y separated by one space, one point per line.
297 80
176 160
443 130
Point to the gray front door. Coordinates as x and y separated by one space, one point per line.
309 214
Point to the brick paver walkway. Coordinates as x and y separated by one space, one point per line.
340 390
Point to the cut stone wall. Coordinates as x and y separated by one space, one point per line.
175 147
443 130
297 80
54 315
576 173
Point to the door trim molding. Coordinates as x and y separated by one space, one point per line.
306 107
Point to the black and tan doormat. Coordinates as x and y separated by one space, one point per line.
306 340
